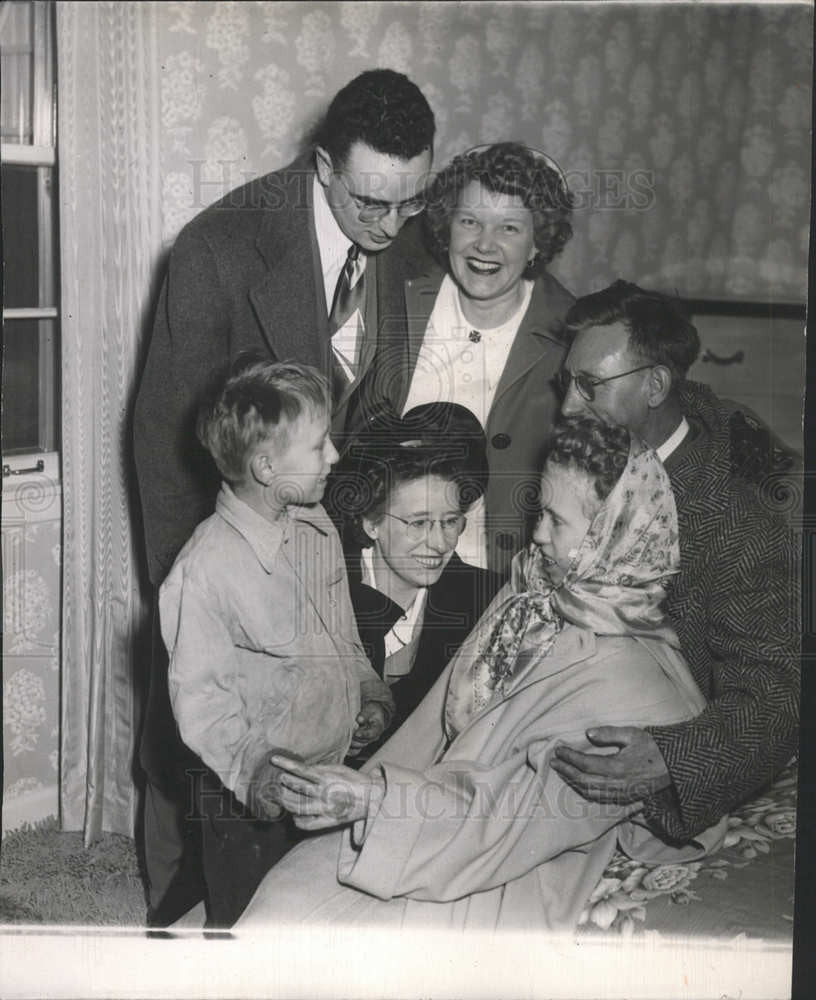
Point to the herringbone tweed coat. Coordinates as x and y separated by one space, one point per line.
735 606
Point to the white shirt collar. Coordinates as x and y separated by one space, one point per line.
333 242
266 537
510 325
673 442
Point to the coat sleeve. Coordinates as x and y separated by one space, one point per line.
748 731
372 687
493 808
190 340
459 827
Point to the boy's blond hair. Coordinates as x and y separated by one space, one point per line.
257 403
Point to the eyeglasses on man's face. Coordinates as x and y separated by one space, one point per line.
452 525
586 384
374 209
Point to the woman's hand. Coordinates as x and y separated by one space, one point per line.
320 796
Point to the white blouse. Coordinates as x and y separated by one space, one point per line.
404 630
458 364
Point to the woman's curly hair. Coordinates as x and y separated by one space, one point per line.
600 451
504 168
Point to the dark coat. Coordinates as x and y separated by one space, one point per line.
735 606
453 606
243 276
524 407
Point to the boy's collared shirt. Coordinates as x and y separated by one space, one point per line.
264 652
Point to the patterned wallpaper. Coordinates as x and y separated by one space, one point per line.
31 619
684 129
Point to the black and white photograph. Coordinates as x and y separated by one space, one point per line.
403 499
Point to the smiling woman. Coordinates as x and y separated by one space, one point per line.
492 243
490 326
405 491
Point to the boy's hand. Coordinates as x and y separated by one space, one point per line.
371 722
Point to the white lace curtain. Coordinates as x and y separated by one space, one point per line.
110 237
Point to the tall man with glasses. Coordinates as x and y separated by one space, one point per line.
735 603
294 266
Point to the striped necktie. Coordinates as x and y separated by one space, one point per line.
350 291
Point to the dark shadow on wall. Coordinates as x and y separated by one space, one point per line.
143 637
804 926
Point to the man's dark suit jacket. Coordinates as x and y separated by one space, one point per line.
735 606
453 606
243 276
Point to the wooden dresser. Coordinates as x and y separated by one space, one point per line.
755 354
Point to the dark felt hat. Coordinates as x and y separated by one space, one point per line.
441 430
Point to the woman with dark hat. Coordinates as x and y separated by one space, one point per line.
404 492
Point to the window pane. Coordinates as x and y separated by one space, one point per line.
17 70
23 252
29 385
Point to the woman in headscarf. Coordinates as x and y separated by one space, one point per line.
459 820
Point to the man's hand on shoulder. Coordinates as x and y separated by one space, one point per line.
634 772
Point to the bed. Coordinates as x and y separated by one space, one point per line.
743 890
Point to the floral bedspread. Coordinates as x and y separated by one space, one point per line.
746 888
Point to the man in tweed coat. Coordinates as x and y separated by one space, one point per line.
256 274
735 603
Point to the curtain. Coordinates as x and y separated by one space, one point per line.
109 239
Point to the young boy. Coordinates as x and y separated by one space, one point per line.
258 624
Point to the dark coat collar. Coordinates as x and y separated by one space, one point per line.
452 592
731 445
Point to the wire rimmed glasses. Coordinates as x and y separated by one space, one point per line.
374 209
452 525
586 384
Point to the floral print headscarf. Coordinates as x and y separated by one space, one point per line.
615 583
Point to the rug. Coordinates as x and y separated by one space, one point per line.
48 876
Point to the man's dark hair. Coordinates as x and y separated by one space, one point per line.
659 332
381 108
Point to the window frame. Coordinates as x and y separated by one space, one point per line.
41 154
